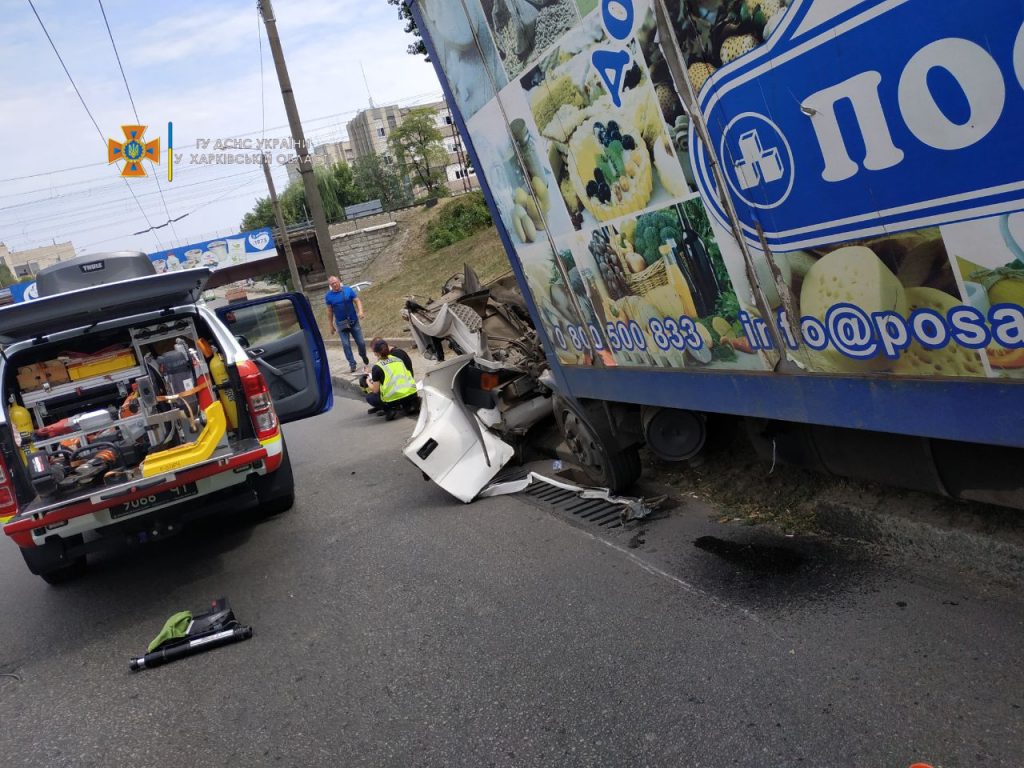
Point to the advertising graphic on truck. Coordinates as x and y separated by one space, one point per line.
805 213
868 226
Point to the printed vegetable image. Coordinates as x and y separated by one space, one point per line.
654 230
661 275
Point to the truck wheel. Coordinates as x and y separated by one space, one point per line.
609 467
275 492
51 564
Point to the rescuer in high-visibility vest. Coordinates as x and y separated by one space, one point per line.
390 387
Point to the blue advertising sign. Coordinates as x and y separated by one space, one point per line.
224 252
861 118
24 292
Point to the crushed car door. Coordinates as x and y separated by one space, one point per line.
281 336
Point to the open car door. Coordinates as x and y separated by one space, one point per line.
281 336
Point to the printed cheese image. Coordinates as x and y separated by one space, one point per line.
850 275
854 275
950 360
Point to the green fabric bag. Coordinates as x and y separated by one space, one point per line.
174 627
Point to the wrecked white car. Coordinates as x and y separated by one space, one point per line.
496 401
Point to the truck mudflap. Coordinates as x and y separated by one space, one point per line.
451 444
248 453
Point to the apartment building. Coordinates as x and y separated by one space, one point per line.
30 261
368 133
325 154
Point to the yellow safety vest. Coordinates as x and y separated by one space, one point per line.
398 382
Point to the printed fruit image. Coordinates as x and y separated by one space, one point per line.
715 33
734 47
699 73
610 168
1007 290
1000 357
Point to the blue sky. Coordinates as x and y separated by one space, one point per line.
196 64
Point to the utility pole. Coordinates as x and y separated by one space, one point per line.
279 217
316 206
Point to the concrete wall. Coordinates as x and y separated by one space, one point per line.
354 250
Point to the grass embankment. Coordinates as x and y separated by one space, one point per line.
420 273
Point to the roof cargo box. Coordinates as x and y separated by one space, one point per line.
95 269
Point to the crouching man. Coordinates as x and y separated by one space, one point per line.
391 388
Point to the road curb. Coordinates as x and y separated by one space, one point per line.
346 384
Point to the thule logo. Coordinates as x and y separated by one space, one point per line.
92 266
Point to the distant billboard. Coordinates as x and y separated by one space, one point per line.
222 253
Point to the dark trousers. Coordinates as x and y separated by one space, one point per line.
409 404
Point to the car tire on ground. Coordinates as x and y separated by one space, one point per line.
275 492
52 565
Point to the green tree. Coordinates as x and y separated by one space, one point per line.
6 276
416 144
337 189
262 215
416 48
376 179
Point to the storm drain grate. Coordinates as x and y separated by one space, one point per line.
602 513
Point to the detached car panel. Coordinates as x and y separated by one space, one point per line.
129 406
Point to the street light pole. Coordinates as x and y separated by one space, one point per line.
279 217
316 206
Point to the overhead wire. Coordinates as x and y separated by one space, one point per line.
227 196
84 214
348 113
87 110
138 121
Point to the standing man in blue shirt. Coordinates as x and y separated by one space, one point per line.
344 311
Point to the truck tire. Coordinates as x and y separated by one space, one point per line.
593 447
275 491
51 564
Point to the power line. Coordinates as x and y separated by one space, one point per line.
135 111
84 105
221 199
69 219
99 204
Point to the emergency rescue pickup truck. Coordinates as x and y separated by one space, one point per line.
130 407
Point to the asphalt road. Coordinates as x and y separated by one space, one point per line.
397 628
